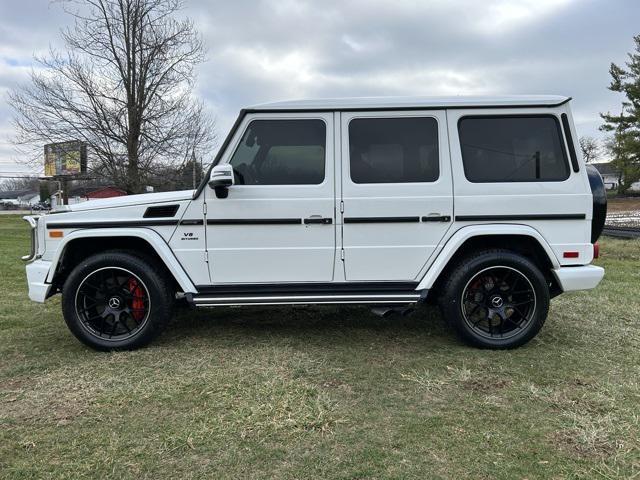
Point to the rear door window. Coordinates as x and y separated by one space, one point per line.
393 150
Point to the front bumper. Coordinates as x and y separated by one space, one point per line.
36 278
583 277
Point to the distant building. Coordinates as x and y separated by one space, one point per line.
30 199
82 194
20 198
610 174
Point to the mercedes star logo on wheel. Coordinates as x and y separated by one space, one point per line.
114 302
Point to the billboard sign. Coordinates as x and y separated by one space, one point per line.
65 158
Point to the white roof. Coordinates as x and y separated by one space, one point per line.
357 103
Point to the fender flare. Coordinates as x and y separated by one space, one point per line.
152 237
456 240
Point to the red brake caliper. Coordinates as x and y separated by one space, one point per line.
137 305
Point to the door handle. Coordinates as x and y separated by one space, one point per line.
437 218
318 220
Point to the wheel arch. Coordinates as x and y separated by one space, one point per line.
518 238
82 243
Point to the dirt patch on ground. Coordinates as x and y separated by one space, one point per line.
630 204
575 443
486 385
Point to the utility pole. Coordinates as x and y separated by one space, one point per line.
65 190
193 166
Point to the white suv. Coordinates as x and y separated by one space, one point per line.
481 204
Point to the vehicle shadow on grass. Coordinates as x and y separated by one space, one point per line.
308 323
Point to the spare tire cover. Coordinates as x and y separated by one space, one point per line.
599 202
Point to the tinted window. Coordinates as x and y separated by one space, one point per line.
393 150
512 149
281 152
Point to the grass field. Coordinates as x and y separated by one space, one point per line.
323 392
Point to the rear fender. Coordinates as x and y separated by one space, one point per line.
459 237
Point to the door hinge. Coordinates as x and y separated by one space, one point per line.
341 206
342 254
204 208
206 256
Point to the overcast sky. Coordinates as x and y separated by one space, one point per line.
264 50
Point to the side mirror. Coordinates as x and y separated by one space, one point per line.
221 179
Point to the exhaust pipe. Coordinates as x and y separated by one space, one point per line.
385 312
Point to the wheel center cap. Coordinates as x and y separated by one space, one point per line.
114 302
497 301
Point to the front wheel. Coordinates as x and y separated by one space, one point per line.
496 299
116 301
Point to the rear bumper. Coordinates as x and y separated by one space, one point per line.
36 278
583 277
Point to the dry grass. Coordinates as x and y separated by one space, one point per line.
323 392
629 204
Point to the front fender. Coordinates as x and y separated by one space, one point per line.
150 236
465 233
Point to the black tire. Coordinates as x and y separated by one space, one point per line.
495 299
116 301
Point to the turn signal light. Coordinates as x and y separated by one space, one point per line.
55 234
570 254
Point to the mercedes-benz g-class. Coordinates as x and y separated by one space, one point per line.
482 205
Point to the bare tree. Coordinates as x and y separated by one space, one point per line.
20 183
124 86
590 149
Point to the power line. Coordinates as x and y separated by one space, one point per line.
20 176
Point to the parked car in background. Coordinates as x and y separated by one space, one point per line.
482 205
41 207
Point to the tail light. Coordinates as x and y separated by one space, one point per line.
596 250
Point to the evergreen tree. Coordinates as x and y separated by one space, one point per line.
624 145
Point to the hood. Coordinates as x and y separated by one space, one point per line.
128 200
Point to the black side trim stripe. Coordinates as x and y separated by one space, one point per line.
307 288
381 219
191 222
254 221
114 224
488 218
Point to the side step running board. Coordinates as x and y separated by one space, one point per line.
378 298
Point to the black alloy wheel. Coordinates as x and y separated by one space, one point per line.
498 302
495 298
112 303
117 300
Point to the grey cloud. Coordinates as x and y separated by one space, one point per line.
262 50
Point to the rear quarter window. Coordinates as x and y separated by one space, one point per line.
513 149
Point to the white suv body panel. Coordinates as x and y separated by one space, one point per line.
520 200
394 251
198 254
274 252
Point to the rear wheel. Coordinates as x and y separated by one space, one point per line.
496 299
115 301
